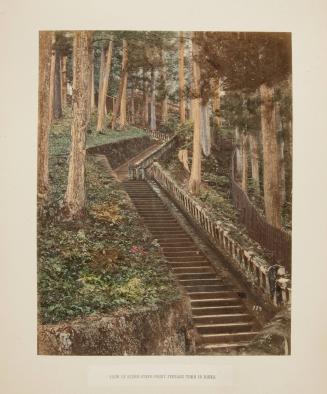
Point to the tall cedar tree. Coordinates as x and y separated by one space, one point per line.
45 53
195 178
181 78
254 61
122 84
75 193
103 89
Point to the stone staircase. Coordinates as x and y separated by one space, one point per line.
221 318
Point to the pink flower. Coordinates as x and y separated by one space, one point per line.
137 250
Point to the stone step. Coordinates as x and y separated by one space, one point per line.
204 288
192 270
183 264
186 258
214 310
203 275
150 215
171 228
224 301
220 347
149 204
149 209
206 295
223 328
153 213
172 237
201 281
138 200
137 192
176 243
191 248
159 221
167 231
182 253
233 337
222 318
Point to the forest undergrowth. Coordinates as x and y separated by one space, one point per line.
214 193
104 261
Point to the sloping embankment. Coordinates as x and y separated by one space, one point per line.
119 152
164 330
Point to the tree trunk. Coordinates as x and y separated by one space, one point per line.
282 185
75 193
104 88
101 72
132 107
288 159
281 145
205 129
245 162
92 82
146 102
271 168
254 146
216 102
146 111
123 104
191 110
153 123
45 54
238 154
164 107
57 110
64 81
89 108
52 78
290 139
195 178
181 78
121 85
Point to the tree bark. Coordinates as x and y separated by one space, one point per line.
146 102
216 102
123 103
164 110
57 110
75 193
153 122
281 145
89 108
271 168
101 72
195 178
191 110
45 54
64 81
245 183
181 78
52 77
121 85
205 129
288 159
104 88
132 107
254 147
92 82
238 154
282 185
